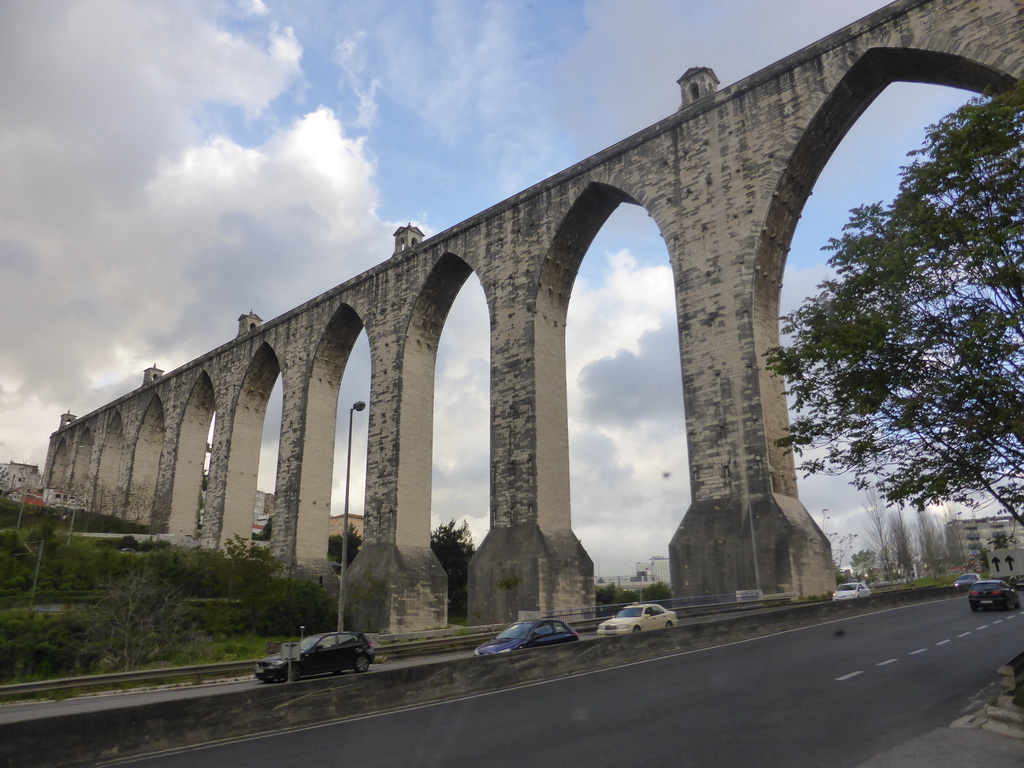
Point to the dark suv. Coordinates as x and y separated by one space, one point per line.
333 652
992 593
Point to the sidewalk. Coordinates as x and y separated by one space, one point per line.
993 737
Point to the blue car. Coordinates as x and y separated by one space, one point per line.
529 634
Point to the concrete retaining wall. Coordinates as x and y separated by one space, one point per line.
86 738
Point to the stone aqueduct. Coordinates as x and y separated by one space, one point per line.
725 179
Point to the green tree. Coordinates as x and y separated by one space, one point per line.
251 575
604 594
453 546
906 370
334 545
659 590
863 563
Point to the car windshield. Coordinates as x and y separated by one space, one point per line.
847 588
309 643
627 612
516 631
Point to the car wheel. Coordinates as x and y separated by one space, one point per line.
362 663
974 607
295 673
636 628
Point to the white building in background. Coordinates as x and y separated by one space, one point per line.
977 534
655 569
14 476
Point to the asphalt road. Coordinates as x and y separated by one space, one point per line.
833 695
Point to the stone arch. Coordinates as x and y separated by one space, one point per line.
243 443
423 334
107 477
190 456
852 95
61 464
303 506
80 468
145 464
575 233
397 529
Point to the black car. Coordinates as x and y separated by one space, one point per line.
992 593
332 652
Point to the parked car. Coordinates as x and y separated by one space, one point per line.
965 580
529 634
637 618
851 590
992 593
332 652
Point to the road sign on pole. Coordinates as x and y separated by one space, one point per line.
1006 563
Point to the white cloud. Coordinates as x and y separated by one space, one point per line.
125 227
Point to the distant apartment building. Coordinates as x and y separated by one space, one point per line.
979 533
334 524
15 476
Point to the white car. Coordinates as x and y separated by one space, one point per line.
637 618
851 590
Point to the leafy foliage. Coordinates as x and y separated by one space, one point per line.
906 369
454 548
335 543
142 608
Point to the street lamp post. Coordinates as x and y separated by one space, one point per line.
343 571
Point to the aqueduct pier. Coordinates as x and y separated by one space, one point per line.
724 178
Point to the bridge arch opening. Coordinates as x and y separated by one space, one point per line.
629 475
460 487
243 446
61 464
79 485
419 463
339 377
107 478
904 90
265 497
140 497
191 464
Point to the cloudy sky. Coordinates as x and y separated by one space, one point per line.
167 166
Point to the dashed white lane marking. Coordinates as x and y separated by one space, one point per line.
922 650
